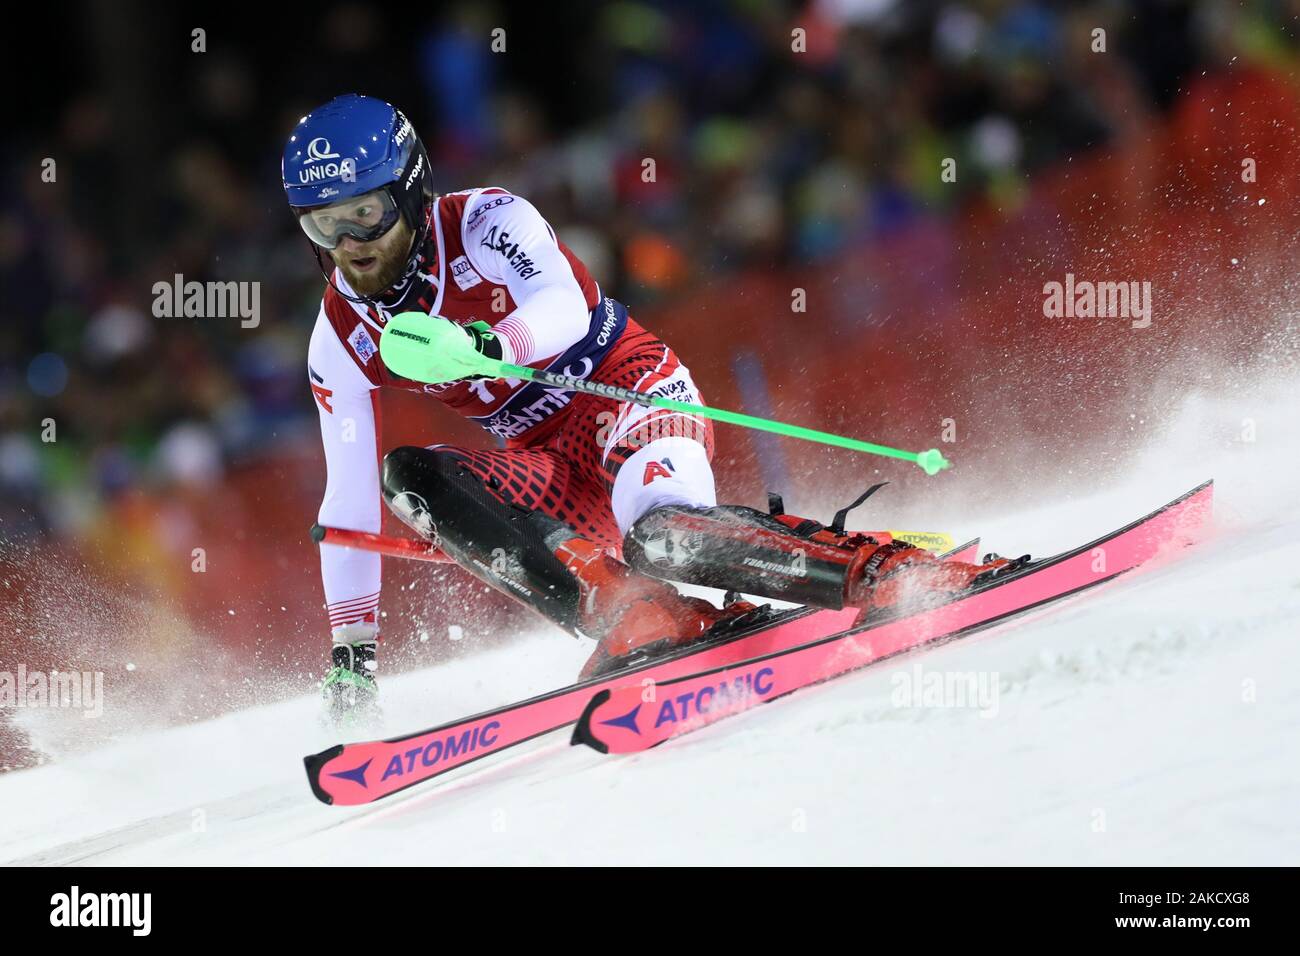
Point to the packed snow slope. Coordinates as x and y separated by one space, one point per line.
1153 721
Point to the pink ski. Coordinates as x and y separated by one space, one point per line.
637 715
356 773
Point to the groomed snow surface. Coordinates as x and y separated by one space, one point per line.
1153 721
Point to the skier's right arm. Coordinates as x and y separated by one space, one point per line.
345 401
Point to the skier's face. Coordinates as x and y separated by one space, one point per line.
371 267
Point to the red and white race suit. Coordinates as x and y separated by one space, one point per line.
591 462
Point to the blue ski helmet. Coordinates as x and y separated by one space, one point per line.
352 147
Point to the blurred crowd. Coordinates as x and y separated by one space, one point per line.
779 134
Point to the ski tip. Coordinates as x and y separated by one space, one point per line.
582 729
314 763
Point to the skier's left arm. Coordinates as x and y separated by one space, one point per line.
508 242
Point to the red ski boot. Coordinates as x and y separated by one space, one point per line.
900 573
896 572
794 559
628 612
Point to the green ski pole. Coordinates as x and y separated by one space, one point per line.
434 350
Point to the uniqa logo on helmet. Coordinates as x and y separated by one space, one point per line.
317 152
315 174
320 151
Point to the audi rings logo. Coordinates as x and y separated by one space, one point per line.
414 511
319 150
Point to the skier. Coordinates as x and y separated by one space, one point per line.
591 504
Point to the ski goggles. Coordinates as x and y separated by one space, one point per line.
364 218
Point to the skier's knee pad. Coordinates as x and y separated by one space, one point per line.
424 486
437 494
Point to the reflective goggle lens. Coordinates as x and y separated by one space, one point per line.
364 218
